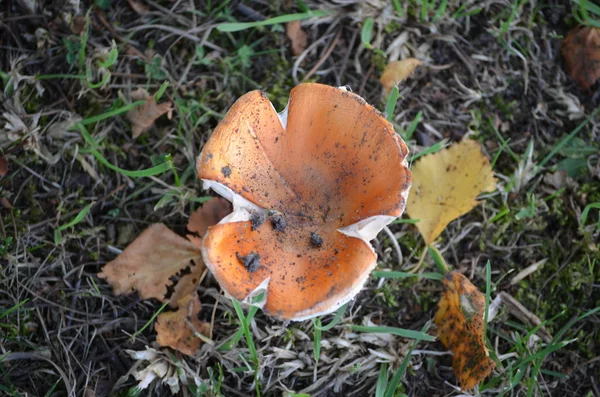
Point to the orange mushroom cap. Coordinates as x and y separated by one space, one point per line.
310 187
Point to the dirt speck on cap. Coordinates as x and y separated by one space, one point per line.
251 261
279 224
226 171
257 219
316 239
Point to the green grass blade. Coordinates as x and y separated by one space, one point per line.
488 292
568 325
441 10
413 126
391 389
586 212
161 91
75 221
160 309
438 259
14 308
366 33
405 333
392 100
547 350
430 150
563 142
112 113
382 381
237 26
246 328
156 170
400 275
338 316
317 338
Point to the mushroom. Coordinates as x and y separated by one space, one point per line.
310 187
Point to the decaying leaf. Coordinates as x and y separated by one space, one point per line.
139 7
460 324
208 215
5 203
144 116
398 71
3 166
173 330
446 185
297 36
581 50
149 262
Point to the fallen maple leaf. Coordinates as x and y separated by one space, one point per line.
208 215
173 330
144 116
297 36
446 185
581 50
149 262
461 329
398 71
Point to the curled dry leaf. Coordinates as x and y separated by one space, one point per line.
149 262
144 116
446 185
173 330
398 71
581 50
207 215
460 328
310 187
297 36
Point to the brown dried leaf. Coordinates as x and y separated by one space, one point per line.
3 166
297 36
139 7
206 216
460 328
144 116
398 71
149 262
172 329
5 203
581 50
78 24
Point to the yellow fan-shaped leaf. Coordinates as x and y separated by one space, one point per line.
446 185
461 329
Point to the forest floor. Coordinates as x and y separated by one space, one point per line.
493 71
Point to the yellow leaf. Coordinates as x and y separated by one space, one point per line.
446 185
173 330
149 262
460 328
398 71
